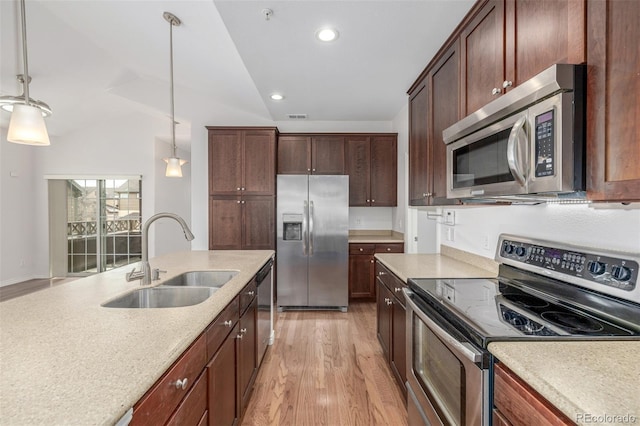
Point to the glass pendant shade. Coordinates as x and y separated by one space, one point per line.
27 126
174 166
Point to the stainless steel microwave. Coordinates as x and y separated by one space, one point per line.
529 142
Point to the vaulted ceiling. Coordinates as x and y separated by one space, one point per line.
94 60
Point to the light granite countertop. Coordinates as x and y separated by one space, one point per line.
64 359
372 237
450 263
589 381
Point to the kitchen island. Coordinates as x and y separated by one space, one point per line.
65 359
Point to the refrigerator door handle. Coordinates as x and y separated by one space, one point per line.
310 228
305 229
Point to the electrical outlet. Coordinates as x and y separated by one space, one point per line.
449 217
485 242
451 234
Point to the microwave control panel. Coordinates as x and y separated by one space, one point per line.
545 151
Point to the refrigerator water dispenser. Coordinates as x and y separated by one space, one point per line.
292 227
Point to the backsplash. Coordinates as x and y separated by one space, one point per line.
370 218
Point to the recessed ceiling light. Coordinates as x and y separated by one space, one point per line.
277 97
327 34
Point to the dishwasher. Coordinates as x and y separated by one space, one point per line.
264 282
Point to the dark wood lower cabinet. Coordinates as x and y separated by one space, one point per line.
517 404
362 278
391 323
211 383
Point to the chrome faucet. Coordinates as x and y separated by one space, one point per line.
145 273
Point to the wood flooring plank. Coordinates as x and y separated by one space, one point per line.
326 368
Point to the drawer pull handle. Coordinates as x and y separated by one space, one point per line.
243 330
182 384
361 249
388 248
389 302
251 293
398 289
239 336
382 273
228 323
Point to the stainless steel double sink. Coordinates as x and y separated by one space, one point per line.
187 289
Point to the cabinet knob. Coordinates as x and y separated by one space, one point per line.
389 302
238 189
382 273
397 289
368 201
373 201
426 194
251 293
239 336
371 261
228 323
308 170
243 330
507 83
241 189
361 249
242 201
181 384
496 91
238 201
314 170
386 299
388 248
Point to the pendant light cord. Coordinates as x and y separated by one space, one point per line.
173 118
25 81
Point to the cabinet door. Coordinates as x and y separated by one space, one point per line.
223 410
259 162
258 223
225 223
384 171
247 354
358 167
540 34
445 107
613 107
384 318
294 155
327 155
482 48
225 161
419 180
399 339
361 277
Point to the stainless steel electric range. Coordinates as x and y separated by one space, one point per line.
544 291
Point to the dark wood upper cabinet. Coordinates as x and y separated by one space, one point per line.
613 105
327 155
242 161
482 48
419 122
294 155
358 167
371 163
540 34
445 111
384 171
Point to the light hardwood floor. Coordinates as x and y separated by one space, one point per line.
326 368
20 289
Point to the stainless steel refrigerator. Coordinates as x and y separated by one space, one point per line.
313 246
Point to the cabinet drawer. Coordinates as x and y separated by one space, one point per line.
247 295
390 248
221 327
393 283
193 407
158 404
519 404
362 248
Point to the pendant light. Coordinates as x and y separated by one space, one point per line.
27 115
174 163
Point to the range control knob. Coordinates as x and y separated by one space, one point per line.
520 251
620 273
596 268
508 248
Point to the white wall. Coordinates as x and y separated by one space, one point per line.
607 226
371 218
400 125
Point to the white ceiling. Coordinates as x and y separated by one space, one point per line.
96 60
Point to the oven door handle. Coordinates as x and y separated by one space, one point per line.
463 348
515 150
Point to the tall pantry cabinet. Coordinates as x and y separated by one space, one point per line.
242 170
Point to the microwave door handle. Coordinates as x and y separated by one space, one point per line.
517 138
